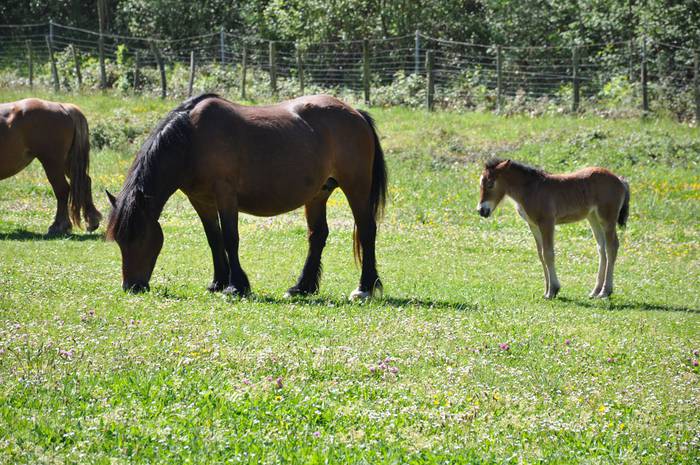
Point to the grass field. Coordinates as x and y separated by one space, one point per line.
462 361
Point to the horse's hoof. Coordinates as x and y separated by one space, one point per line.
215 287
604 294
358 294
298 291
59 229
594 293
235 292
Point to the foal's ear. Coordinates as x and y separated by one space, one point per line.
111 198
504 164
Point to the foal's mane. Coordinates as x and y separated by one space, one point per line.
156 164
522 167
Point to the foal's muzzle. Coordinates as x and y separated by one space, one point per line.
135 287
484 211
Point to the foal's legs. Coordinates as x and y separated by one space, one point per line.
317 235
611 246
59 184
227 206
538 240
210 220
367 234
547 230
599 234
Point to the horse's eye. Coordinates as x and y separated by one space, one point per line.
489 184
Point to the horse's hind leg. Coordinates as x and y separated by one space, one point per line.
538 240
611 246
59 184
308 282
599 234
366 234
547 230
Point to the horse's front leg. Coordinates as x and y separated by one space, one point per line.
238 283
210 221
61 189
547 230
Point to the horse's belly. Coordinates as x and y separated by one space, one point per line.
11 165
277 199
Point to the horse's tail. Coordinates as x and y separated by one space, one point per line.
80 195
378 189
625 210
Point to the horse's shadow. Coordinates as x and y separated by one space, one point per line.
24 235
611 304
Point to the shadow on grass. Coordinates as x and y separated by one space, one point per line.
23 235
628 305
396 302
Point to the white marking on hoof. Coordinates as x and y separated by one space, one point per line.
287 295
357 294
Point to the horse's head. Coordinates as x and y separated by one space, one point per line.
492 186
139 236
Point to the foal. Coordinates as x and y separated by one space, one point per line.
544 200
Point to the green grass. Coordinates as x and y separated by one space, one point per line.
89 374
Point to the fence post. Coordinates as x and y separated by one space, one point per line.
416 59
499 78
222 44
576 83
103 71
31 64
430 78
161 66
365 69
137 66
645 90
696 79
630 59
244 68
273 67
300 68
76 60
191 83
54 70
51 30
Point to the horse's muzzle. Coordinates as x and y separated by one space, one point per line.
484 211
135 287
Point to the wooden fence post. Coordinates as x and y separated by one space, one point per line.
499 78
365 70
244 69
630 60
137 70
103 71
31 64
191 83
54 70
300 68
161 66
273 67
696 79
222 45
76 60
430 78
576 83
645 90
416 58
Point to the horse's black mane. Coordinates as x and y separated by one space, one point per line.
527 169
151 174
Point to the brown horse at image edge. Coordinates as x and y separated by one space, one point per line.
265 161
544 200
57 135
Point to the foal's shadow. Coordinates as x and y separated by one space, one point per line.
23 235
628 305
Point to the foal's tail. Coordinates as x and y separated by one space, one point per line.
625 210
80 195
380 178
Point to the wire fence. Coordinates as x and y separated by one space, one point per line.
412 70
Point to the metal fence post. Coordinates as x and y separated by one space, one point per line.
430 79
576 83
499 78
645 90
54 70
31 64
365 70
273 67
191 82
416 58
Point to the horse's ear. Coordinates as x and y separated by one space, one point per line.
111 198
504 164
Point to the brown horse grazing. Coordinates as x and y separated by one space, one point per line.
57 135
544 200
265 161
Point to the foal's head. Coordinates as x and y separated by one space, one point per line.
492 186
139 236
